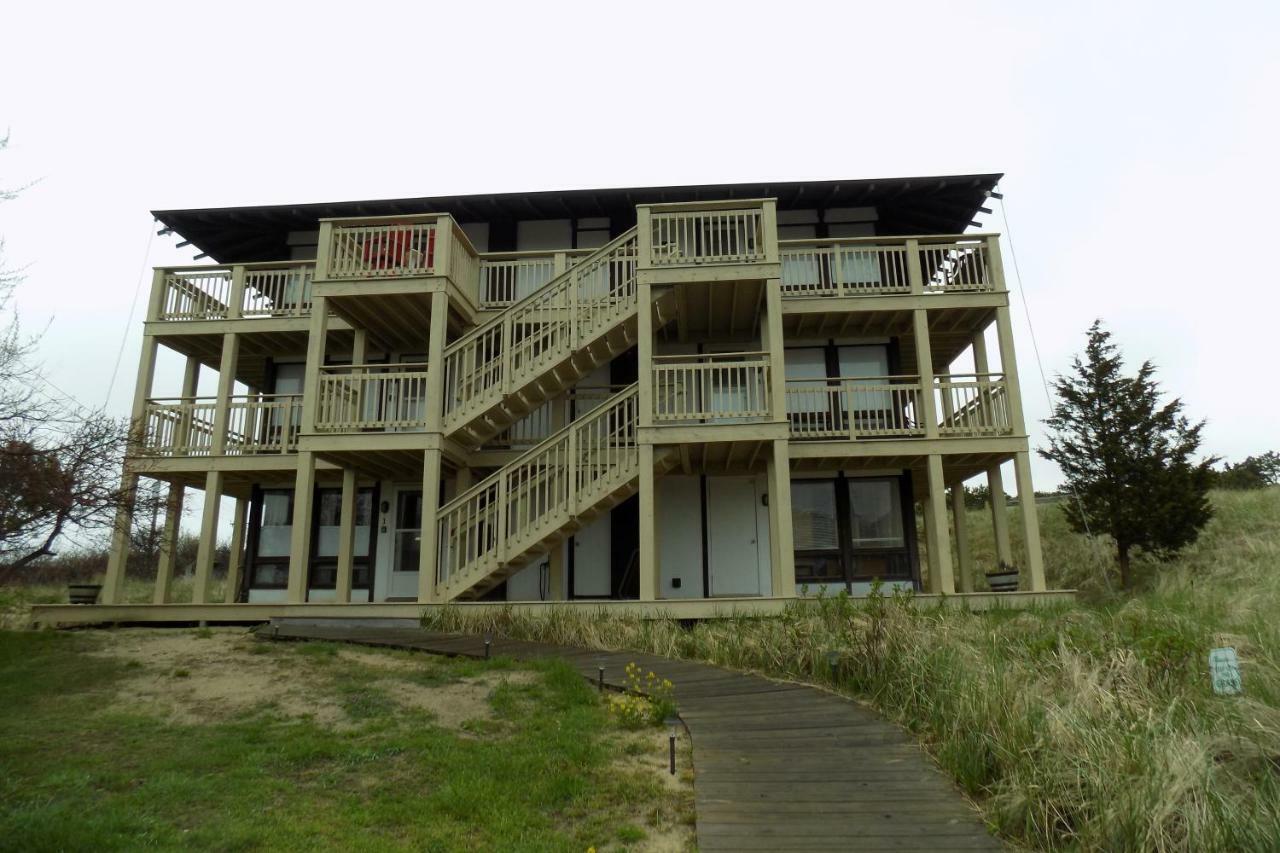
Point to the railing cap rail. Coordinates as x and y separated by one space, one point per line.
251 265
886 239
246 398
398 219
329 368
530 254
694 206
709 356
869 379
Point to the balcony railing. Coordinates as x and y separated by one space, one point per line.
703 233
892 407
712 388
508 277
256 424
872 266
399 247
208 293
372 397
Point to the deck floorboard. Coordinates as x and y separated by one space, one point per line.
777 765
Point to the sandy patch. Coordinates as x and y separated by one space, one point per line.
647 753
195 677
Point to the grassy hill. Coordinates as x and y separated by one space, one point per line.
1084 727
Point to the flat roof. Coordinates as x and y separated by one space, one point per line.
942 204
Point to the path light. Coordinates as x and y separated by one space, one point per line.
671 723
600 678
833 663
488 644
275 632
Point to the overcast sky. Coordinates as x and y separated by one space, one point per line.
1138 142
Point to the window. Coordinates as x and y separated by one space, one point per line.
813 515
849 529
275 532
324 566
875 514
408 531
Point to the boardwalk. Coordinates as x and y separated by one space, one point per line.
777 766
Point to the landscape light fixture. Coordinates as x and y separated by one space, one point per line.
488 644
833 661
671 723
600 678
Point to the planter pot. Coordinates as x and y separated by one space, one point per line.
1003 581
83 593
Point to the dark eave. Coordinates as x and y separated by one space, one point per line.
921 205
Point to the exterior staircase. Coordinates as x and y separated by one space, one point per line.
530 505
513 363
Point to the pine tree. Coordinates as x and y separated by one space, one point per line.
1127 457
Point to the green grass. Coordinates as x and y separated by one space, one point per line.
1088 727
80 772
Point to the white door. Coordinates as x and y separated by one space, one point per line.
731 536
592 574
406 545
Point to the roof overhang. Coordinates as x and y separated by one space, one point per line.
921 205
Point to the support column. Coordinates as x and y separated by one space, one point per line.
782 553
1030 521
924 368
428 590
317 338
118 557
930 545
346 537
169 543
226 384
235 554
208 537
650 576
963 555
941 579
999 516
304 494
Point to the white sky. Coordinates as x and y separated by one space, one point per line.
1138 141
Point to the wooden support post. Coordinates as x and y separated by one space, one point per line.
226 384
317 335
208 548
1030 521
648 541
964 558
235 554
346 537
644 353
428 589
929 546
771 340
1009 366
169 544
235 304
999 516
122 529
304 493
924 367
782 557
435 363
941 579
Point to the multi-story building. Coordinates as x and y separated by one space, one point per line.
678 394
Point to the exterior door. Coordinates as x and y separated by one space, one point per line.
406 545
731 536
592 562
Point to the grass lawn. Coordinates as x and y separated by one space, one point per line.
1088 727
210 739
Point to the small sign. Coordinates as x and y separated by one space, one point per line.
1224 668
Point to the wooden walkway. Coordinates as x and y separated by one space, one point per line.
777 766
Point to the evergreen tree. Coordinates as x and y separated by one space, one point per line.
1126 456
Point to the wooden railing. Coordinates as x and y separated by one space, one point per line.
550 416
855 407
372 397
693 234
973 405
278 291
256 424
209 293
891 407
540 330
711 388
499 519
194 293
508 277
383 249
870 266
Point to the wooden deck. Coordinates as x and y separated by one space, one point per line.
777 766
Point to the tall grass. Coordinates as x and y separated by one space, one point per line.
1086 727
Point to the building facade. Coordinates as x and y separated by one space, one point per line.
706 393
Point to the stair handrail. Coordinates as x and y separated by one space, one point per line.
599 411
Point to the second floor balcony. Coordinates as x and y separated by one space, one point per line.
183 427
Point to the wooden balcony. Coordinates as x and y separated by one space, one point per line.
860 408
733 240
270 290
508 277
717 388
879 266
187 426
372 398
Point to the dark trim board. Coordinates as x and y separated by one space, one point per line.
848 780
